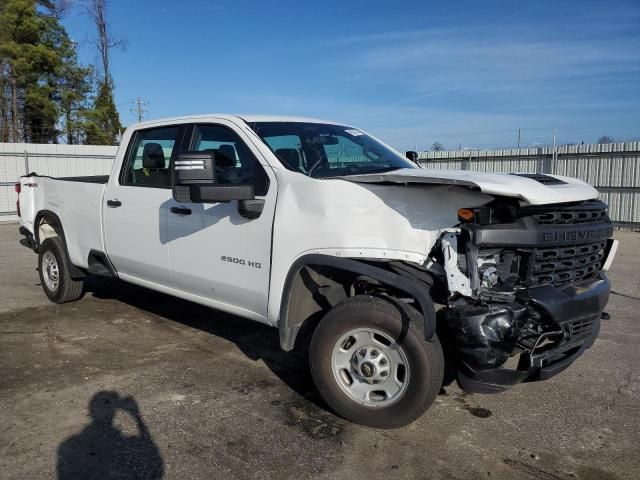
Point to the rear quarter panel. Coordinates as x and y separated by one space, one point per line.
78 207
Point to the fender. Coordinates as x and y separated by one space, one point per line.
289 327
74 271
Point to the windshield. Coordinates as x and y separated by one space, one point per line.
324 150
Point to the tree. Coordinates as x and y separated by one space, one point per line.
605 139
437 147
37 65
27 64
104 124
97 11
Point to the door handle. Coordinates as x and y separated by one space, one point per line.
181 211
114 203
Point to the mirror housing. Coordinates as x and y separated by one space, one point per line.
194 181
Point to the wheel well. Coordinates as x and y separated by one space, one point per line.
315 290
47 225
311 289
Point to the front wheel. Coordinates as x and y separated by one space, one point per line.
371 364
55 278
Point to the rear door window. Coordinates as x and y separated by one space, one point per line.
149 157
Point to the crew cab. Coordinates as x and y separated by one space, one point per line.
406 277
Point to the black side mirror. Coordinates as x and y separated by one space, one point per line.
194 180
413 156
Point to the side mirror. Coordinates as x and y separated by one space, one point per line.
194 181
413 156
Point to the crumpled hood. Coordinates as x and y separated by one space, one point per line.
545 190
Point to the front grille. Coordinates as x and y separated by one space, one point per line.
563 265
586 212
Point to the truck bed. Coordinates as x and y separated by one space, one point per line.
75 201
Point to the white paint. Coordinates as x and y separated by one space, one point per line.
504 184
456 281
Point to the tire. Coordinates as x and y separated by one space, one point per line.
394 338
52 259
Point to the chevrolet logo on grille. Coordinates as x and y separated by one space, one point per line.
575 236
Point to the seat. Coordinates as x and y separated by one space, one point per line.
290 157
154 170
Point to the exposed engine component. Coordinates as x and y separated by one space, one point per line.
456 280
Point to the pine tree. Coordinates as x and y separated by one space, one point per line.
103 122
40 79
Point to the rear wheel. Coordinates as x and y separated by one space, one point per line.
54 272
372 365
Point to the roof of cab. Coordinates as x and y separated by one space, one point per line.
247 118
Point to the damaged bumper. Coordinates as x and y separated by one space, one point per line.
528 341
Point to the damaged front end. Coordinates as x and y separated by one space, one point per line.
524 291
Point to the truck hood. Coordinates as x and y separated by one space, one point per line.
534 189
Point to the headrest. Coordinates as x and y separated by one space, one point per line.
153 156
229 152
222 160
290 157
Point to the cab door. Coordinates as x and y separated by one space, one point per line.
215 251
135 206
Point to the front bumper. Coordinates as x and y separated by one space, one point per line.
572 322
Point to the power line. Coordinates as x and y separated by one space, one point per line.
138 109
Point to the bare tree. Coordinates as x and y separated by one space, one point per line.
437 147
605 139
97 11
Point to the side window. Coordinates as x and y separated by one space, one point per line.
147 163
235 163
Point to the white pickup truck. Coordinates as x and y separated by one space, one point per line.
407 277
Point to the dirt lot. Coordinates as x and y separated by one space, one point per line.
142 385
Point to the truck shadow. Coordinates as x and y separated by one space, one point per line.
254 340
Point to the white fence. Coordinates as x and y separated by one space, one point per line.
614 169
18 159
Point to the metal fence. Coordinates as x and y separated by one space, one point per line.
614 169
18 159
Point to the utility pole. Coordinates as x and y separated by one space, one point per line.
139 109
518 138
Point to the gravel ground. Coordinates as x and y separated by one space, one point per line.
128 383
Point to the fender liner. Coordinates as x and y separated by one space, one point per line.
75 272
289 327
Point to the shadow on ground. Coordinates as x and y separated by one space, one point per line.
103 451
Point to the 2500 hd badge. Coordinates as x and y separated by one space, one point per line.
241 261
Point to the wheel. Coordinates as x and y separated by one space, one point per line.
54 272
371 364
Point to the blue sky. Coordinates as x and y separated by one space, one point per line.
464 73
